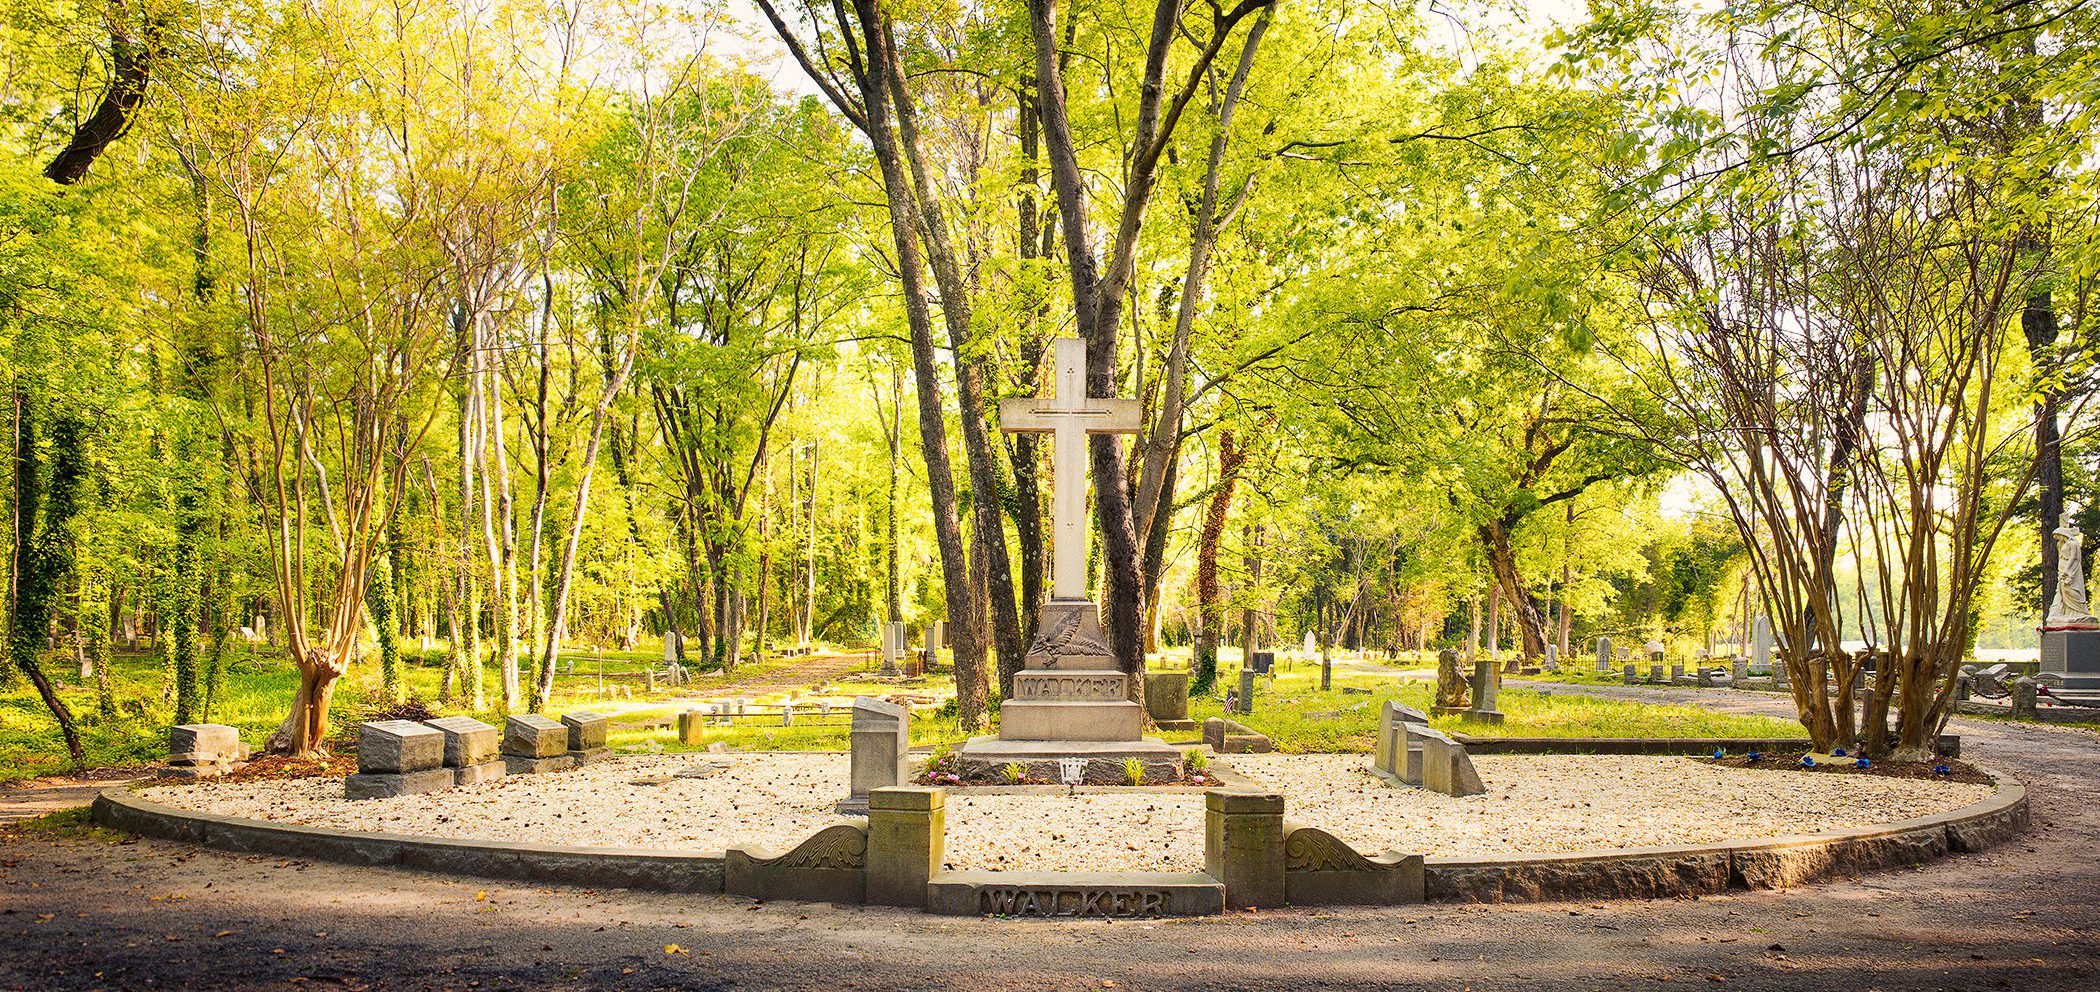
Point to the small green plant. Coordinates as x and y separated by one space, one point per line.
1015 773
1133 771
1197 760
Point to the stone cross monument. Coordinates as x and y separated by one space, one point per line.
1070 699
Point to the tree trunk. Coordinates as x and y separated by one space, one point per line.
1524 610
131 70
1210 609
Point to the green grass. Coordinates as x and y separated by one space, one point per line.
259 687
1299 718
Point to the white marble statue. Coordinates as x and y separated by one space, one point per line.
2067 607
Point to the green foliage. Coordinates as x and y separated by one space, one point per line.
1133 772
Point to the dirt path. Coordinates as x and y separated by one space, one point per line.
100 913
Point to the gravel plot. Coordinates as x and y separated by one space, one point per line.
1534 804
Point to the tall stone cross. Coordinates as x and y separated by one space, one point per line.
1068 417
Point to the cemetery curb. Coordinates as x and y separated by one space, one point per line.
1677 871
1671 871
1630 745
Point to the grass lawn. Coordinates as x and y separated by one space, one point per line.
1298 717
258 689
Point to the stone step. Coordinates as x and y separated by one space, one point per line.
1078 893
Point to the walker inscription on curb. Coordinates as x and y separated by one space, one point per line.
1070 902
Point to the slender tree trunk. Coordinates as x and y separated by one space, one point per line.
1210 608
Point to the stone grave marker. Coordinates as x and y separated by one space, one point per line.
1446 767
397 758
1167 700
533 744
1487 687
1263 662
1655 674
881 751
1761 642
1246 691
1450 685
1390 752
470 749
203 750
1604 655
587 736
1633 676
892 648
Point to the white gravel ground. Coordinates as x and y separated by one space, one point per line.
773 800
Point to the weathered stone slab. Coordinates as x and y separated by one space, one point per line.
881 755
831 866
393 747
1102 894
1392 716
518 764
1446 767
204 738
1167 697
586 730
1321 870
467 741
382 785
692 727
531 735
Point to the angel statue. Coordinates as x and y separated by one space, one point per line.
2067 606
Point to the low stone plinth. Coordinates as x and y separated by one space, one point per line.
987 757
1077 894
487 771
518 764
580 758
203 750
1071 719
692 727
382 785
1243 846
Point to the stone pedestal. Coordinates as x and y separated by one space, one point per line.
692 727
1069 694
907 833
2073 655
1243 847
470 749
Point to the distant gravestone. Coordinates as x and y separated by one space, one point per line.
1261 661
936 636
1739 671
1311 645
1487 685
881 751
1761 643
892 647
1389 756
670 646
1604 656
1633 676
1552 658
1246 691
1655 673
1450 685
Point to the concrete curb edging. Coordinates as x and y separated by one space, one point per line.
665 871
1665 746
1674 871
1639 873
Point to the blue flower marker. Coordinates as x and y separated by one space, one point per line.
1717 754
1753 756
1864 763
1807 762
1838 752
1942 770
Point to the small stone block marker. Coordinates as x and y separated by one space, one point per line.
396 746
1230 737
533 744
587 736
397 758
202 750
692 727
1243 846
1167 700
907 836
470 749
881 751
